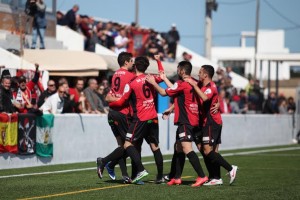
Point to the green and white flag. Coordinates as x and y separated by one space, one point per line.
44 145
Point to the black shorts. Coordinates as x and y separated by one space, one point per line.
143 129
185 133
197 135
119 123
211 133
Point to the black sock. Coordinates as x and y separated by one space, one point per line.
195 162
159 163
209 166
122 164
173 165
115 155
133 170
181 158
216 171
217 158
135 157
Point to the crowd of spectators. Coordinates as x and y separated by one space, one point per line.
121 37
145 41
251 98
17 94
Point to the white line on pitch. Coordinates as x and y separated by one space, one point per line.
152 162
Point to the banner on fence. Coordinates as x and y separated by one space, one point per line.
9 133
26 134
44 145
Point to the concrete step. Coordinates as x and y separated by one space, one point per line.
12 41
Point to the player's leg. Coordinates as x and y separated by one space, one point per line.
215 158
186 137
153 140
135 133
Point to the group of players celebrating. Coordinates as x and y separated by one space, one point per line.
133 117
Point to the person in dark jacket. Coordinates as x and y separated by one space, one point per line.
51 89
39 24
271 104
6 97
70 18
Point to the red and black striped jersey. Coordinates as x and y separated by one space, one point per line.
185 103
120 78
140 94
211 92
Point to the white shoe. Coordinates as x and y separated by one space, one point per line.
214 182
232 174
140 175
295 141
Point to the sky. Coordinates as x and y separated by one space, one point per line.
231 18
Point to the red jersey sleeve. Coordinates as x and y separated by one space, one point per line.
160 66
124 98
177 88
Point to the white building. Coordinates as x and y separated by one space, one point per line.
270 48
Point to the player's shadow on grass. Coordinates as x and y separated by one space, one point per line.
114 181
187 183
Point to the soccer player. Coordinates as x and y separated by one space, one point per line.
140 94
186 118
118 118
211 127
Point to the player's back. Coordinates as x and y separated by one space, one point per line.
186 103
142 99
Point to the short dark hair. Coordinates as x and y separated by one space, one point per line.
209 70
141 63
5 74
22 79
186 66
124 56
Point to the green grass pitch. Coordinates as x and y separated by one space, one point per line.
263 174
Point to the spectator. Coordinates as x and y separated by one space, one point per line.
121 42
24 95
6 105
59 18
51 89
235 98
243 102
224 102
70 18
172 41
55 103
85 30
92 98
291 107
79 97
39 24
109 36
100 93
271 104
282 107
105 83
186 56
68 99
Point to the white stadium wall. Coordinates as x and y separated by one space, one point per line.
83 138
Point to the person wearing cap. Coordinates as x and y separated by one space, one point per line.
173 38
6 103
24 94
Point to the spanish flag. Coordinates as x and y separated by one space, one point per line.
9 133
